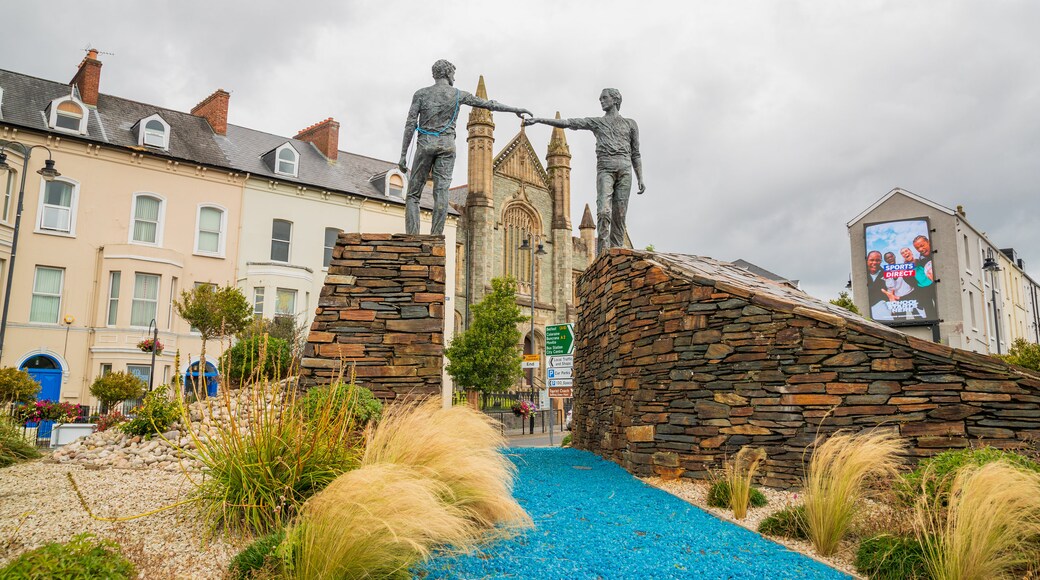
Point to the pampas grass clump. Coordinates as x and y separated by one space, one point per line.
837 480
739 474
457 446
986 526
376 522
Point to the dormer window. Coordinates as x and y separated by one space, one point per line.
286 160
153 132
395 185
68 114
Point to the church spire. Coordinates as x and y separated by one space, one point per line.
558 142
476 114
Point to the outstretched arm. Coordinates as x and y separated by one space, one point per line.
637 161
561 123
409 129
475 101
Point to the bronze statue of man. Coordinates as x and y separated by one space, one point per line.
617 154
433 114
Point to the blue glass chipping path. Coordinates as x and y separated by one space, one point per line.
594 520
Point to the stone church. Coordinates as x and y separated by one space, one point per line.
512 197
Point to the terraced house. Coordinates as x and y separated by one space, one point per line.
151 201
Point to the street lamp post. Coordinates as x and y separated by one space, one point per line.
152 326
529 246
49 173
990 265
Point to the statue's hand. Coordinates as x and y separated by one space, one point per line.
529 121
403 164
642 188
521 112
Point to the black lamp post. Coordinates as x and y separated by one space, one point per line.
527 245
990 265
49 173
154 328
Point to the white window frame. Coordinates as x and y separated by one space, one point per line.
143 132
325 248
288 253
73 207
278 161
134 298
60 295
258 300
404 187
158 226
115 282
52 120
222 239
9 192
295 295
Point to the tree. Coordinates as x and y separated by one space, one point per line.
114 387
214 312
1024 354
485 357
845 301
17 386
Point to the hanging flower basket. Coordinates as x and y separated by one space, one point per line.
148 345
523 408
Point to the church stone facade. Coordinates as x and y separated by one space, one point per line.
511 197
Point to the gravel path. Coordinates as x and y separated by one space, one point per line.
39 505
594 520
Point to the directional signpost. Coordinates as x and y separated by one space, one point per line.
531 361
559 355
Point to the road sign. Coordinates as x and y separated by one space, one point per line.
561 392
559 339
531 361
561 361
561 373
561 383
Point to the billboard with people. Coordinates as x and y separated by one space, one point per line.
900 273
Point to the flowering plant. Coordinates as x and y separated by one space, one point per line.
48 411
110 419
523 408
148 344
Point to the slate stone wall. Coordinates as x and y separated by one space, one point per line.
382 310
681 361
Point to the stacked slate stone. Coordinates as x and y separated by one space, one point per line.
382 312
682 360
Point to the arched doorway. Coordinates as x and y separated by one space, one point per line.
47 371
191 378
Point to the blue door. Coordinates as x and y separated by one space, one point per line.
46 371
191 378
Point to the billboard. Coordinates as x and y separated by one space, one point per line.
900 273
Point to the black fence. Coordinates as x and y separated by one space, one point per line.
40 432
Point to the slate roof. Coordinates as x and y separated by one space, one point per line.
760 271
26 98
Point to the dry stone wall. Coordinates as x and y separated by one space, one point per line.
682 360
382 311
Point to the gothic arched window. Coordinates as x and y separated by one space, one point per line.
520 224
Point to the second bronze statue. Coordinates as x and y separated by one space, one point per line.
433 114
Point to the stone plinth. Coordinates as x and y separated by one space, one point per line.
382 312
682 360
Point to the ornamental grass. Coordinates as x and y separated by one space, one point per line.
739 474
840 472
986 526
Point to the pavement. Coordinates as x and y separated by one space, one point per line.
536 440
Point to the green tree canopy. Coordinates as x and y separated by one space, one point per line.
844 300
1024 354
486 356
214 312
17 386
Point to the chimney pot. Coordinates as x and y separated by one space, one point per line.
88 78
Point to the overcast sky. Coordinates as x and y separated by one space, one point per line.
765 126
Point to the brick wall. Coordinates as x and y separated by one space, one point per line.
382 309
683 360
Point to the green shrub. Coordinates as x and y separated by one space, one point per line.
257 357
1024 353
788 523
566 440
941 468
17 386
718 495
362 404
888 557
155 415
84 557
114 387
259 558
13 446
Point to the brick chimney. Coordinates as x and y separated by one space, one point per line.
88 78
214 109
324 136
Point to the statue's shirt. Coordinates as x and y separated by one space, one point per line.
438 108
617 138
